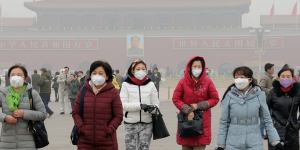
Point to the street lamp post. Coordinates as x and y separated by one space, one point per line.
260 47
1 25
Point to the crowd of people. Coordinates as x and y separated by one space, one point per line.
100 100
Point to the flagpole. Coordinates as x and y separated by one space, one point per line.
296 22
273 7
296 15
1 20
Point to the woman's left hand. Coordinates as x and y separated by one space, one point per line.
279 146
19 113
194 106
191 116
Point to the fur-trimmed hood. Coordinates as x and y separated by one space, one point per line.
277 89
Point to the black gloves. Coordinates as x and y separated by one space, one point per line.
203 105
144 106
279 146
147 108
219 148
298 125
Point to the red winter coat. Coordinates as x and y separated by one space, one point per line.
189 92
103 113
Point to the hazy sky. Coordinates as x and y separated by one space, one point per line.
15 8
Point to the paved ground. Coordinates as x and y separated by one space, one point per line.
59 128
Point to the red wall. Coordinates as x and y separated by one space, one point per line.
158 50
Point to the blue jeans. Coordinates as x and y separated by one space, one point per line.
46 98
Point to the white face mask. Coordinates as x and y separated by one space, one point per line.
98 79
241 83
140 74
196 72
16 81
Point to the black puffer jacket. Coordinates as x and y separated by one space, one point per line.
280 105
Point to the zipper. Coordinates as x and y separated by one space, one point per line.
140 103
16 126
94 120
16 135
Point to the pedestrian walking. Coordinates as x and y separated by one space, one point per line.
243 106
45 89
74 88
139 98
102 110
284 103
195 93
63 88
16 111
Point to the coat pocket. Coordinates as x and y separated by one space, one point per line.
236 136
254 138
234 141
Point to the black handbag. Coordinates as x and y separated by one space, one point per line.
288 124
190 128
74 133
159 127
37 128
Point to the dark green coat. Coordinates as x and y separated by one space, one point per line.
74 87
45 83
35 80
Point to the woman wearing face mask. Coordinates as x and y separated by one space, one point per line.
283 102
16 111
102 110
243 105
194 92
139 98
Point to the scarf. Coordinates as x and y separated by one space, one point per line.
137 81
252 90
286 90
95 90
13 98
